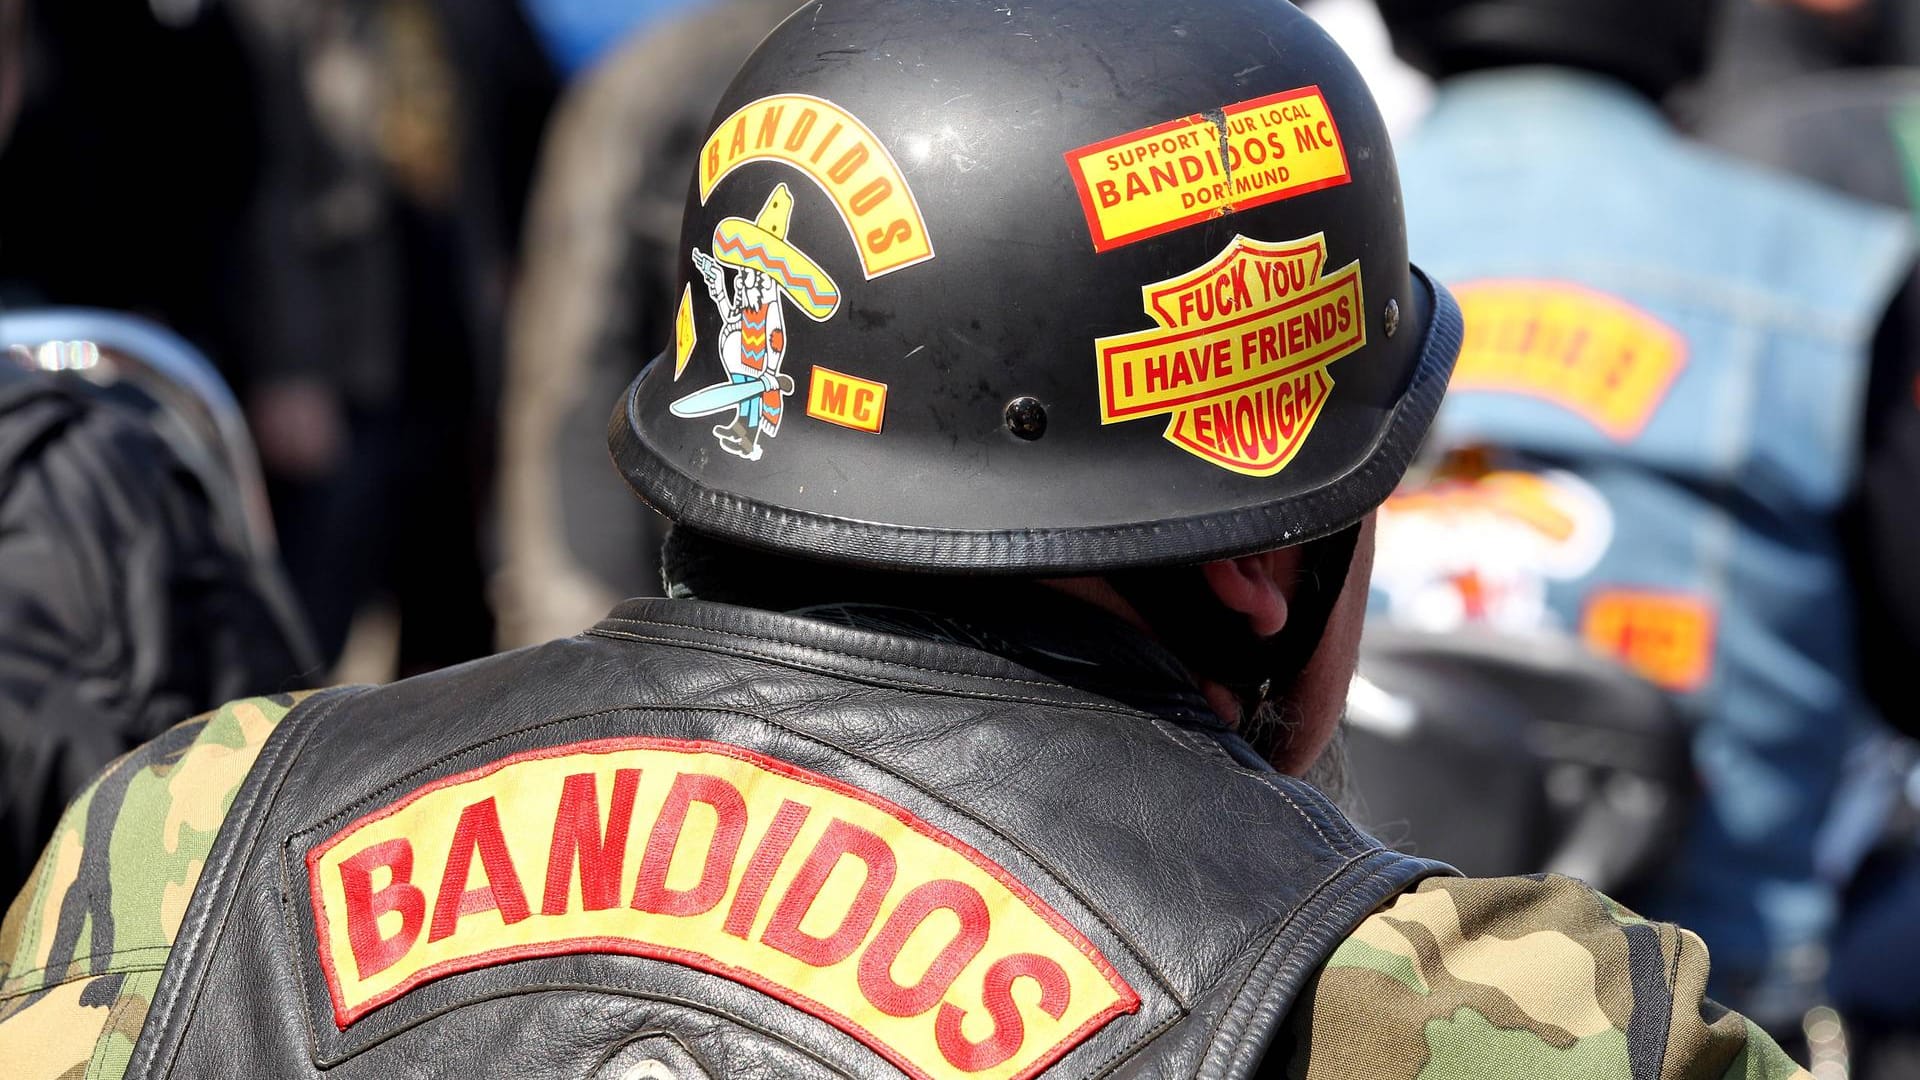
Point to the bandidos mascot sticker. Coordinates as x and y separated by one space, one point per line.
753 331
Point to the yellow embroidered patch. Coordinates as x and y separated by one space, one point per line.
1585 351
817 893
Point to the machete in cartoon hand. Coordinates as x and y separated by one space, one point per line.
753 322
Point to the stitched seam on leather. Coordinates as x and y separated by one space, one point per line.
322 706
287 749
1402 871
1351 843
1164 729
294 937
1160 726
1308 818
1210 1050
1260 944
1216 1044
1146 1039
353 809
1045 865
295 941
841 653
549 988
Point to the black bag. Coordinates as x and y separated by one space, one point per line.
123 607
1516 755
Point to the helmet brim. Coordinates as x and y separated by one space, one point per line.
1297 518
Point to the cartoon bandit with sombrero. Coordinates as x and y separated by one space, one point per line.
753 324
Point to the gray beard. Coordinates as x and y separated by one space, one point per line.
1330 775
1271 728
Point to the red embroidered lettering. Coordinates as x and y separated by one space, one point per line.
478 830
373 953
576 834
840 840
650 892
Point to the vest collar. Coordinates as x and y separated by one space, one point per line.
1057 647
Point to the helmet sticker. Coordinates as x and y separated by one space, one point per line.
847 400
1240 354
1596 356
835 150
753 322
1174 174
684 336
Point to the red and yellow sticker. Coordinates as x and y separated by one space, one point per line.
847 400
1597 356
1239 358
825 896
831 147
1171 175
1667 637
684 335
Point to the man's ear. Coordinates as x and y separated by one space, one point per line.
1250 586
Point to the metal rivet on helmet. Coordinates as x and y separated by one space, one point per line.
1027 418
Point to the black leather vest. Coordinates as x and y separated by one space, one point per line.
704 841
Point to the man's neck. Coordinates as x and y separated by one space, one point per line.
1052 628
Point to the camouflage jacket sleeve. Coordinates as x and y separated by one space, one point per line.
84 943
1480 979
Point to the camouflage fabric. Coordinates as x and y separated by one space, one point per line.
1483 979
1458 980
83 945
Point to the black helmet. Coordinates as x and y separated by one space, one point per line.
1652 44
1040 288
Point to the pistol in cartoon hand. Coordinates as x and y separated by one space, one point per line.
716 276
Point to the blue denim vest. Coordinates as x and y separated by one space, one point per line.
1724 491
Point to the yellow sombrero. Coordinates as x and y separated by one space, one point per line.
761 244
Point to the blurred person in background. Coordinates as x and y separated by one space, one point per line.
1827 89
1760 43
326 197
138 584
595 299
1655 430
398 148
129 170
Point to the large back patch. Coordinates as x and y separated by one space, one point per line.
827 897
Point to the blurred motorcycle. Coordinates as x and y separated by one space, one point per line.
1505 754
